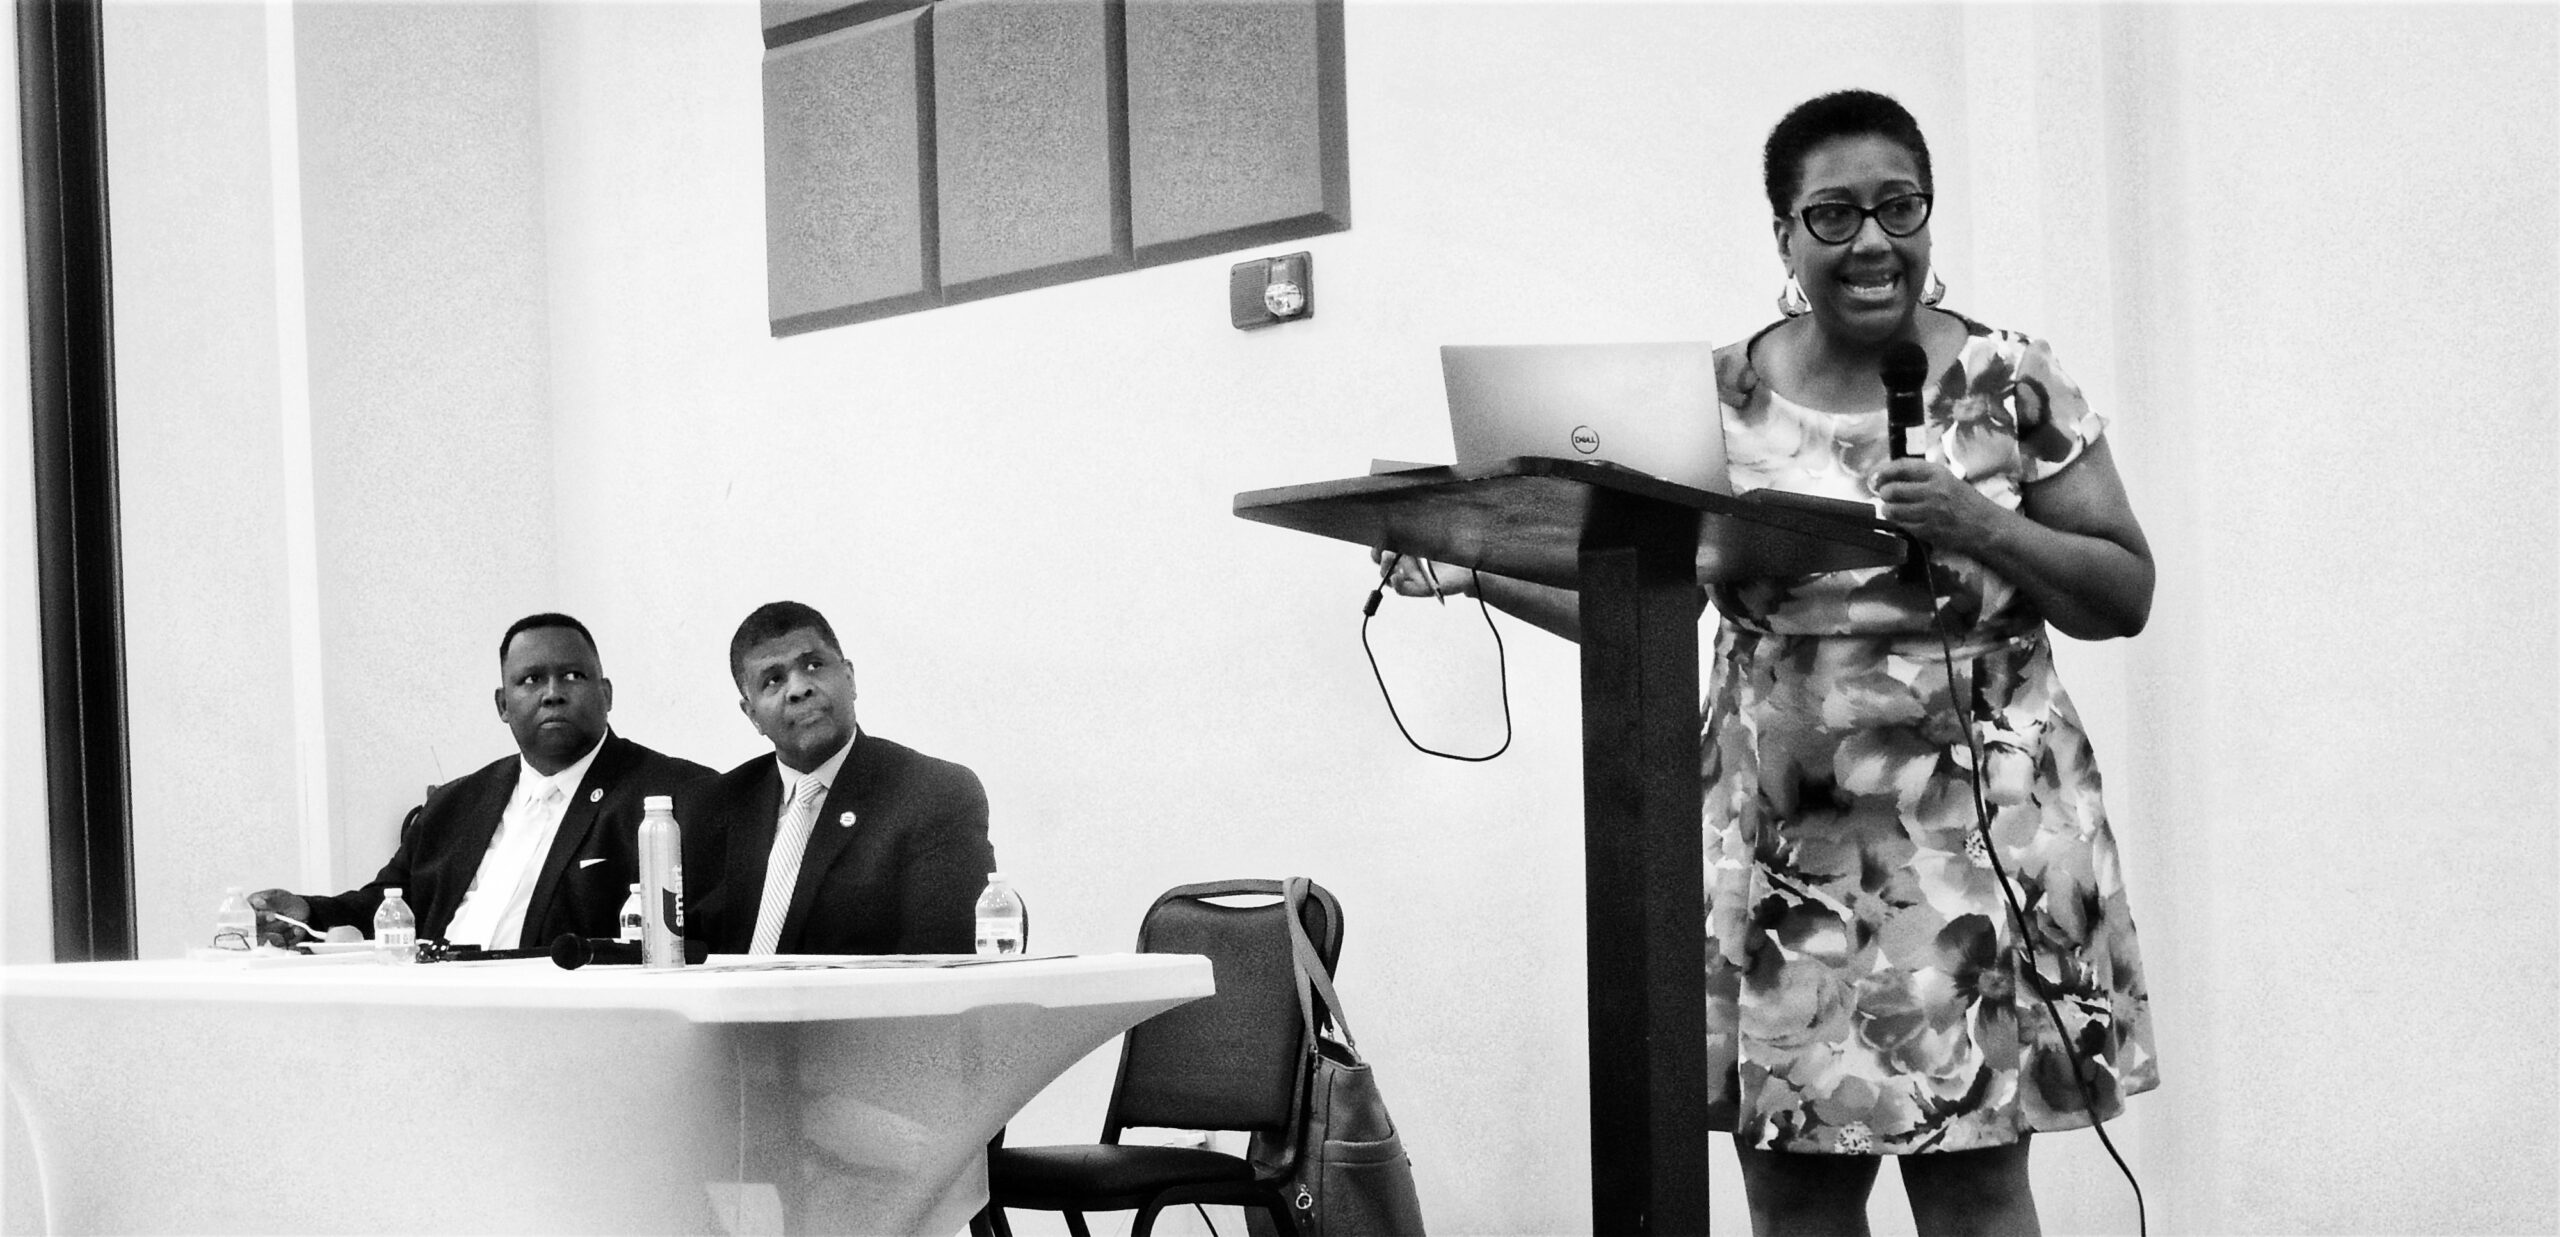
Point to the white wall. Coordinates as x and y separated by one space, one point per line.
26 890
429 442
2305 256
26 926
2347 738
297 675
201 464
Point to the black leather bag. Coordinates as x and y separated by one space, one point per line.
1353 1178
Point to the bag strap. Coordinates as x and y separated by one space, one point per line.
1314 984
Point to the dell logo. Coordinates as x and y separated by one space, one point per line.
1585 439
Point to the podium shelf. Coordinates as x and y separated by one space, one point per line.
1530 517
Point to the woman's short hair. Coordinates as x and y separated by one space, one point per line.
1843 113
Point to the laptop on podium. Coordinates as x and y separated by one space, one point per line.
1650 407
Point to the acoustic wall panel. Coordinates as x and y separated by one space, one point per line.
1027 143
789 21
1236 127
919 153
848 154
785 12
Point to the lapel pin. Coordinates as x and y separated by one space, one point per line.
596 795
845 820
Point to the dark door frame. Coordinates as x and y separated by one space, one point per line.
79 568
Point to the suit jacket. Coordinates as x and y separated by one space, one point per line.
588 872
903 877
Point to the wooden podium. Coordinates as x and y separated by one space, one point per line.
1636 548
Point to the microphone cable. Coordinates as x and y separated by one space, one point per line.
2081 1068
1502 673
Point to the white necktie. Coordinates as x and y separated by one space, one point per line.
541 812
782 864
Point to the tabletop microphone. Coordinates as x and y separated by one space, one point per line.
572 951
1904 367
568 949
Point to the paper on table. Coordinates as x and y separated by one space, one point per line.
858 962
336 947
266 956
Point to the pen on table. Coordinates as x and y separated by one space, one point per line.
316 933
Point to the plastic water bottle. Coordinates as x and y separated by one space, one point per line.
999 919
634 923
395 929
235 926
661 884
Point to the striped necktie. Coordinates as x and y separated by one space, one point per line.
782 864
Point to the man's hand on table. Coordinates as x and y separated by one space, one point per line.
273 931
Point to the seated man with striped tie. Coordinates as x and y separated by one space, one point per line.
535 845
841 842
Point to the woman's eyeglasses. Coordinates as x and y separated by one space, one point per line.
1834 223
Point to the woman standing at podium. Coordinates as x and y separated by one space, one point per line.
1869 990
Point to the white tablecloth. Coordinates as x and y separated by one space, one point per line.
330 1096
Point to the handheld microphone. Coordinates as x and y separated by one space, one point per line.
1904 367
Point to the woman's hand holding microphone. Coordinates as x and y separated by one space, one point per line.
1930 502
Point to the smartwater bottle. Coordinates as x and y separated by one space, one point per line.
661 884
999 918
395 929
634 923
235 926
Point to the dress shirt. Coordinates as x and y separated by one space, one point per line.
791 839
492 911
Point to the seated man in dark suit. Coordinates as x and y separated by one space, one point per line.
535 845
840 842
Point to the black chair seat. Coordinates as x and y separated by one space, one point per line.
1233 1061
1093 1177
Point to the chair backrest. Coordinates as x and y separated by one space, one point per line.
1236 1060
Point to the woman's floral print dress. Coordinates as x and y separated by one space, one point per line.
1864 990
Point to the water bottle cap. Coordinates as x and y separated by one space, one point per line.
658 803
391 891
995 878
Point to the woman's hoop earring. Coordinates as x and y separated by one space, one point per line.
1791 300
1935 290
